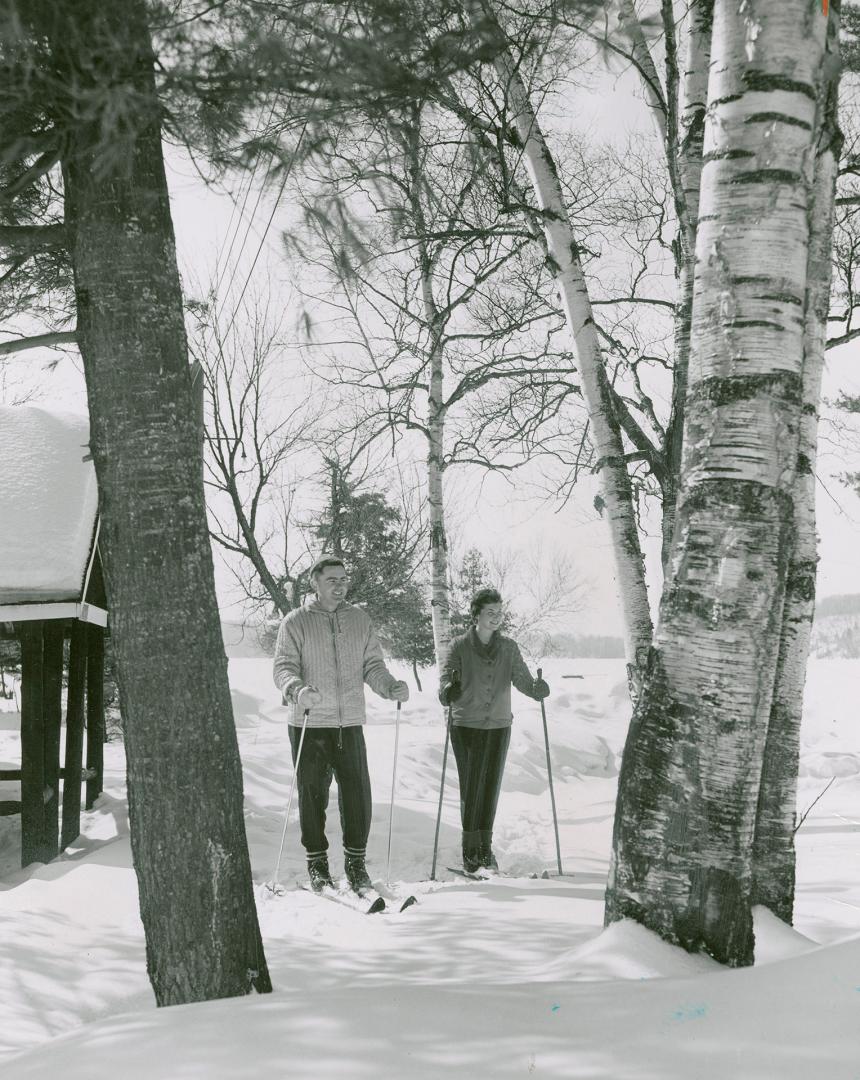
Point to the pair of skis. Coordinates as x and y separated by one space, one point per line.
494 876
469 875
367 902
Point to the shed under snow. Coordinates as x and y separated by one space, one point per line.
48 518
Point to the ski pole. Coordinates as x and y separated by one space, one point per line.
441 795
549 774
274 885
393 787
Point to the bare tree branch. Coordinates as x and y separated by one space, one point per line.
39 341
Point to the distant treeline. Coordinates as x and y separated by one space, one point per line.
591 646
843 604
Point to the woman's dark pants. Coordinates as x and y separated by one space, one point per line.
480 755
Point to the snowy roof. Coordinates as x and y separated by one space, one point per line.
48 505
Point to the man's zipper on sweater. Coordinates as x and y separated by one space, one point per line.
335 626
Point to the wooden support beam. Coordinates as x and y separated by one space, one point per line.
95 712
81 774
32 744
74 756
52 683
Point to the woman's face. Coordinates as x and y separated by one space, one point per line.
490 617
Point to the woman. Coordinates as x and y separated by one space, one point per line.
476 683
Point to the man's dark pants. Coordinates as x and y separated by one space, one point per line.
339 754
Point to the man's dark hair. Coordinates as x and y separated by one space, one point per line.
481 599
322 562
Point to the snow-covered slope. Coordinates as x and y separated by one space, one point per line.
507 978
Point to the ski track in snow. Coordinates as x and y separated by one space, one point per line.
512 977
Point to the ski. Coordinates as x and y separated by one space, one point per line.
469 876
356 901
495 875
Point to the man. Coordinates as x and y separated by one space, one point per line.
476 683
326 651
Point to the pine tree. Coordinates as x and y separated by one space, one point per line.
382 555
473 574
82 127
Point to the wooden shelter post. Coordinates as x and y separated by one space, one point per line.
73 761
32 744
52 704
95 713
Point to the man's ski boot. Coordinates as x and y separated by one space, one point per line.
319 873
485 851
472 851
356 872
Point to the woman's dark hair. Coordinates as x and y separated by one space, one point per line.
481 599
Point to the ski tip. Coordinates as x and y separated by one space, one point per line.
377 906
408 902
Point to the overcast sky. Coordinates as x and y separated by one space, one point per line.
486 511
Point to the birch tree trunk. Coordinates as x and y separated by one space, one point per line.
184 773
689 172
773 849
440 593
440 606
573 292
691 772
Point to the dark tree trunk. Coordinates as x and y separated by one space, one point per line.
184 773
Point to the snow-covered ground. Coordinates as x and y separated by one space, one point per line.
511 978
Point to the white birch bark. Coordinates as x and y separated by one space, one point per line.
690 777
439 591
773 849
563 253
691 122
691 127
440 602
631 27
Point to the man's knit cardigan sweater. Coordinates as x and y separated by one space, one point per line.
336 652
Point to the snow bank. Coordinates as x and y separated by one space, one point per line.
626 950
49 503
790 1021
509 978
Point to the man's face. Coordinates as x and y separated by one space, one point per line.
331 585
490 617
